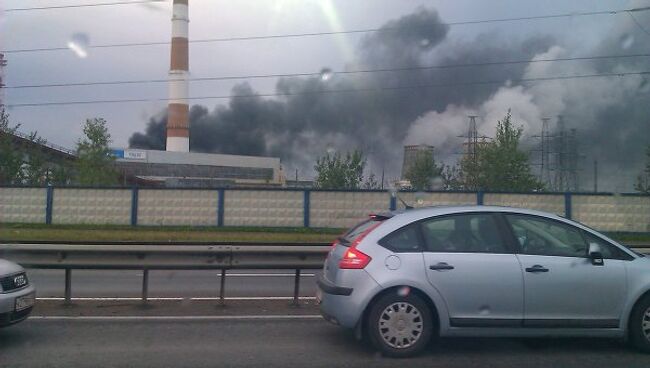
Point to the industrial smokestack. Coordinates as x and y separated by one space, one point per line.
178 127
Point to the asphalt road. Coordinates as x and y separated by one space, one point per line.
100 283
274 343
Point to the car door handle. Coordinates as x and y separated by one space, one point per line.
537 268
441 266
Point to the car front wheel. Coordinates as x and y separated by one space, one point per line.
400 326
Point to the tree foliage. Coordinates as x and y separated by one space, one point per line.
11 160
35 171
500 165
95 162
340 172
422 171
643 180
371 182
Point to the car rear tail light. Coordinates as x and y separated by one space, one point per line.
354 259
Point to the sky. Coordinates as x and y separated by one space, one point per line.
300 129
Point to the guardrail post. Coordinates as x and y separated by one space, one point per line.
220 207
567 205
305 208
49 201
296 288
393 203
134 206
145 285
222 289
479 197
68 286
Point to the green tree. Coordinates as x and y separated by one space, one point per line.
643 180
422 172
35 170
94 162
371 182
451 177
11 160
338 172
500 165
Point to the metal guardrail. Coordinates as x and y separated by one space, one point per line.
148 257
166 257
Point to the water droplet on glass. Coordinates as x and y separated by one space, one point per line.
627 40
330 149
326 74
79 44
425 42
644 86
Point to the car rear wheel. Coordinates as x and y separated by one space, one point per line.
400 326
640 325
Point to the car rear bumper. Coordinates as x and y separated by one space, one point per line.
329 288
8 313
344 305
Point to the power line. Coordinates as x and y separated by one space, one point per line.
91 5
333 91
330 33
638 24
343 72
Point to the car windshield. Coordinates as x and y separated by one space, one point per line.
185 182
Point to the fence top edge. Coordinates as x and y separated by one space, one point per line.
324 190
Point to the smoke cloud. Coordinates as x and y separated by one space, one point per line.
611 114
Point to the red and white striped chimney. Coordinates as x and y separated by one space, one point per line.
178 125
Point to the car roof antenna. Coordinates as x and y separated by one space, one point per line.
406 205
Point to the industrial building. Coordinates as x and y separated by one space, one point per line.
196 170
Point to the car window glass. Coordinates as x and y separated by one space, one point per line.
609 251
405 239
546 237
474 233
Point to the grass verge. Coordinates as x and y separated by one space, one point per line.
22 232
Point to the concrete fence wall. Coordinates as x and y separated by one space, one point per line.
291 208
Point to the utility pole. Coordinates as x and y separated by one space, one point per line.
296 176
595 176
382 178
3 63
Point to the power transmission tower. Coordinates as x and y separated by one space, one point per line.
472 139
545 152
566 158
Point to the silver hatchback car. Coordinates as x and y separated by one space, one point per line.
402 277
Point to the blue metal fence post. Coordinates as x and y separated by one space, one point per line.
393 202
49 201
479 198
221 206
567 205
134 206
305 208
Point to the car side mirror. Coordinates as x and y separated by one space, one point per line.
596 255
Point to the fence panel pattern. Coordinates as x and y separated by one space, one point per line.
263 208
344 209
22 205
177 207
613 213
290 208
92 206
541 202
